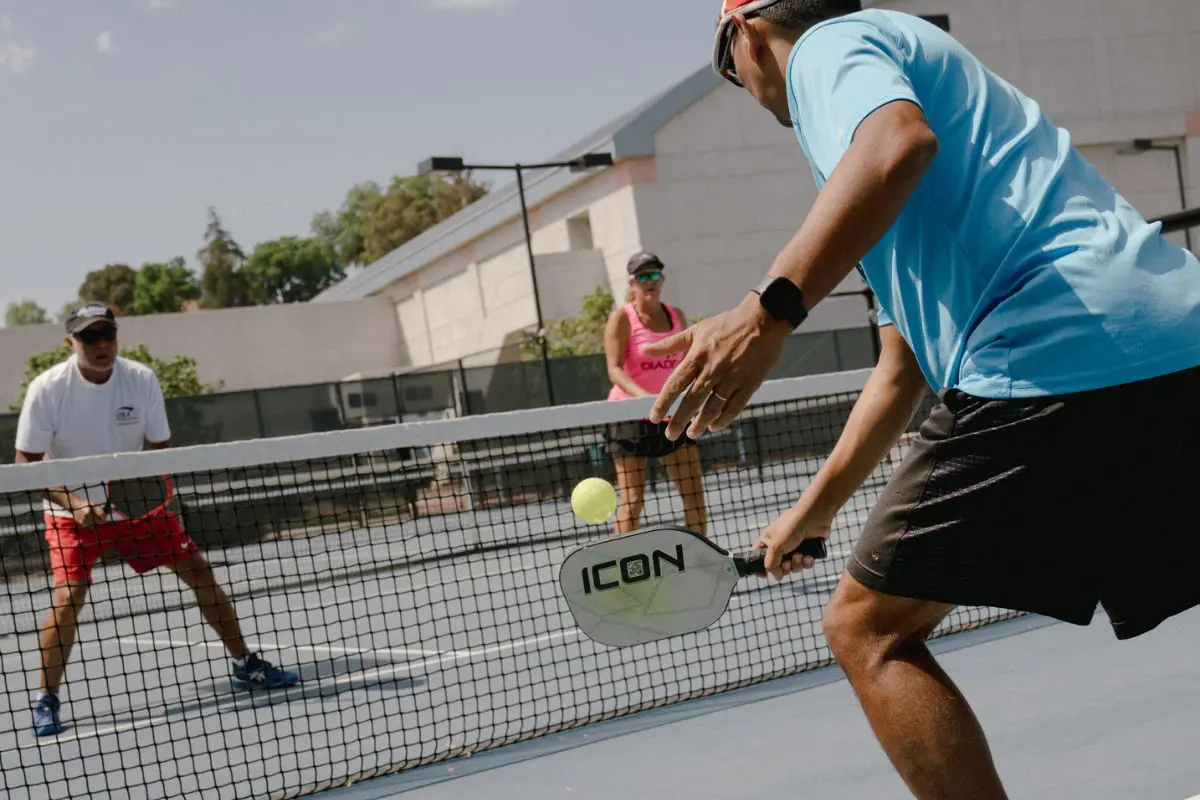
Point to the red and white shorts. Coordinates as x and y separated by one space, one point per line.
156 541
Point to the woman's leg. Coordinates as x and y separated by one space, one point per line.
631 489
683 466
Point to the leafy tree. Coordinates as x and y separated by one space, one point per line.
343 230
178 375
581 335
222 283
372 222
162 288
292 270
26 312
113 285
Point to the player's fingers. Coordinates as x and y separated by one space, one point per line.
681 377
711 408
733 405
689 406
679 343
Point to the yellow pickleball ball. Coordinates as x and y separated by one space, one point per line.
594 500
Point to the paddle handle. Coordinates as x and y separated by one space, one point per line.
753 562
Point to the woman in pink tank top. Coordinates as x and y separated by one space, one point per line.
645 318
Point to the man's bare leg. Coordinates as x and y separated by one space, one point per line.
218 611
920 717
57 636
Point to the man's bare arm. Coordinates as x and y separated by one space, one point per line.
879 418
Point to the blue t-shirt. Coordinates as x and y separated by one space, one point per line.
1015 270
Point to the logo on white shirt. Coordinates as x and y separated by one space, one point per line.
127 415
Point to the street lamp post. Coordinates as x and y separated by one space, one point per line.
440 165
1139 146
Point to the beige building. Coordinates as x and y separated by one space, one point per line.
710 182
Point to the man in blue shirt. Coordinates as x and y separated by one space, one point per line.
1060 331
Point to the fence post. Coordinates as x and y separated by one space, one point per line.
466 392
258 415
398 397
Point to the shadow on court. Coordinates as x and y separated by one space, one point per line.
319 680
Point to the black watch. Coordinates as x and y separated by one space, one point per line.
782 300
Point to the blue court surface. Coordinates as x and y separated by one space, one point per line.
1070 713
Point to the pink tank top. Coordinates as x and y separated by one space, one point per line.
647 372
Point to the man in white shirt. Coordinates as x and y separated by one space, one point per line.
97 403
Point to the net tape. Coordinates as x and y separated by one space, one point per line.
408 573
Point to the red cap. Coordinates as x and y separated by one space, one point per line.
729 6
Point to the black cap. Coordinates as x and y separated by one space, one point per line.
642 262
89 314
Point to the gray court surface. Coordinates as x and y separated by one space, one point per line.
1069 712
402 665
439 668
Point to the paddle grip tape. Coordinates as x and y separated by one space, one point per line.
754 561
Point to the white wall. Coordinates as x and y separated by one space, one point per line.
564 278
258 347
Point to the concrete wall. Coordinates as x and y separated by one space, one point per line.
257 347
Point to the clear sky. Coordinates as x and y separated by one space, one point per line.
126 119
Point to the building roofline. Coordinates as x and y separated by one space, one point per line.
629 136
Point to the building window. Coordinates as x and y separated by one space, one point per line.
579 232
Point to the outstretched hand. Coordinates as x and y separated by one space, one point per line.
726 359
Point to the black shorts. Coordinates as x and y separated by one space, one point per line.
1053 506
642 439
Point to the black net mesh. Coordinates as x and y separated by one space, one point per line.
406 574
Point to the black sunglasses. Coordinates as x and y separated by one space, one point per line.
723 62
651 276
106 333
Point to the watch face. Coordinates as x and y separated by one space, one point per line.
783 300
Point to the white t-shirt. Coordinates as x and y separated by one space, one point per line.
67 416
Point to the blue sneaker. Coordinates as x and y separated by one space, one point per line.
256 673
45 716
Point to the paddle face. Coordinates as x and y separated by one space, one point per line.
136 498
656 583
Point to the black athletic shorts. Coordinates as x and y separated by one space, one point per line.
643 439
1052 505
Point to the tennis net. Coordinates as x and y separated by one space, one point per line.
408 574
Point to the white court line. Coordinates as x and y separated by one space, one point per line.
264 646
346 679
470 576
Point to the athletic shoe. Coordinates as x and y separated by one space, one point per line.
45 716
255 673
